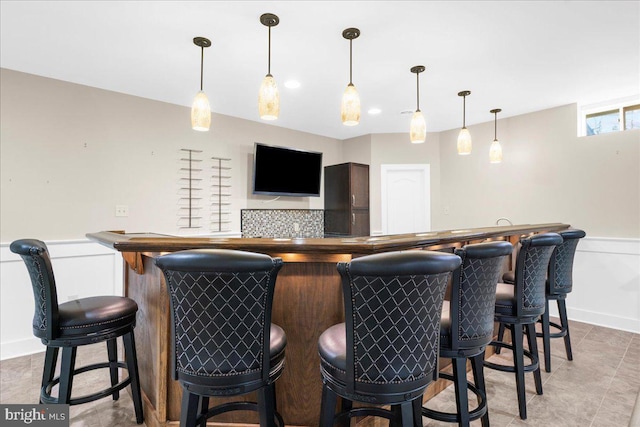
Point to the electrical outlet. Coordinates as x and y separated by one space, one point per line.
446 210
296 226
122 210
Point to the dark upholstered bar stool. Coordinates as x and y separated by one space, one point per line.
466 327
386 353
76 323
223 341
518 306
559 284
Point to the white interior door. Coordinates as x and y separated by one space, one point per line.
406 201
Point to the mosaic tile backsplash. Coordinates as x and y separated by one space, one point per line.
282 223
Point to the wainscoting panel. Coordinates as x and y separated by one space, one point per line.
606 283
82 269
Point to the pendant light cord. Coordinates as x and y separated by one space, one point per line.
418 91
201 65
495 127
350 61
464 110
269 62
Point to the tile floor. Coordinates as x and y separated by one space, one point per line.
598 388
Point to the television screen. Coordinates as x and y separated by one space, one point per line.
281 171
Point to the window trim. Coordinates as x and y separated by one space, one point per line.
620 105
624 115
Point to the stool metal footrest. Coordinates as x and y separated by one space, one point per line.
45 393
361 412
506 368
450 417
562 329
234 406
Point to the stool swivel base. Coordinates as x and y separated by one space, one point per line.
459 379
68 371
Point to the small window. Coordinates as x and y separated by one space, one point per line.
632 117
609 117
603 122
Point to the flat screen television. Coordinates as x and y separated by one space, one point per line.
281 171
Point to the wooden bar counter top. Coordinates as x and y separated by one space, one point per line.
307 300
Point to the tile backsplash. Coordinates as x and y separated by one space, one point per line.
282 223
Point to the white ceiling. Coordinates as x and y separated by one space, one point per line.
519 56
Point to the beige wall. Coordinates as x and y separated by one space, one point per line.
357 150
548 175
70 153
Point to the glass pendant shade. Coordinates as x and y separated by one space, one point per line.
418 131
269 99
350 107
495 152
464 142
201 112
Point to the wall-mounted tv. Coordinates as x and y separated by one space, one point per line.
281 171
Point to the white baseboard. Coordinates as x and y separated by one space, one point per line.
606 320
23 347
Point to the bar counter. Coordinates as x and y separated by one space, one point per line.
307 300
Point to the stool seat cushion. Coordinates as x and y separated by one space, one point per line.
509 277
95 314
277 344
505 299
332 346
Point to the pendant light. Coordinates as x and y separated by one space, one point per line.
418 131
269 97
464 138
350 108
495 152
200 109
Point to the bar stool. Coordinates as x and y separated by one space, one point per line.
559 284
76 323
223 341
466 327
518 307
386 352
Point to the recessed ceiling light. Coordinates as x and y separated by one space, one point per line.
374 111
292 84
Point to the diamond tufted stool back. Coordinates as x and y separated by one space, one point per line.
467 326
76 323
518 307
559 284
223 342
386 352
